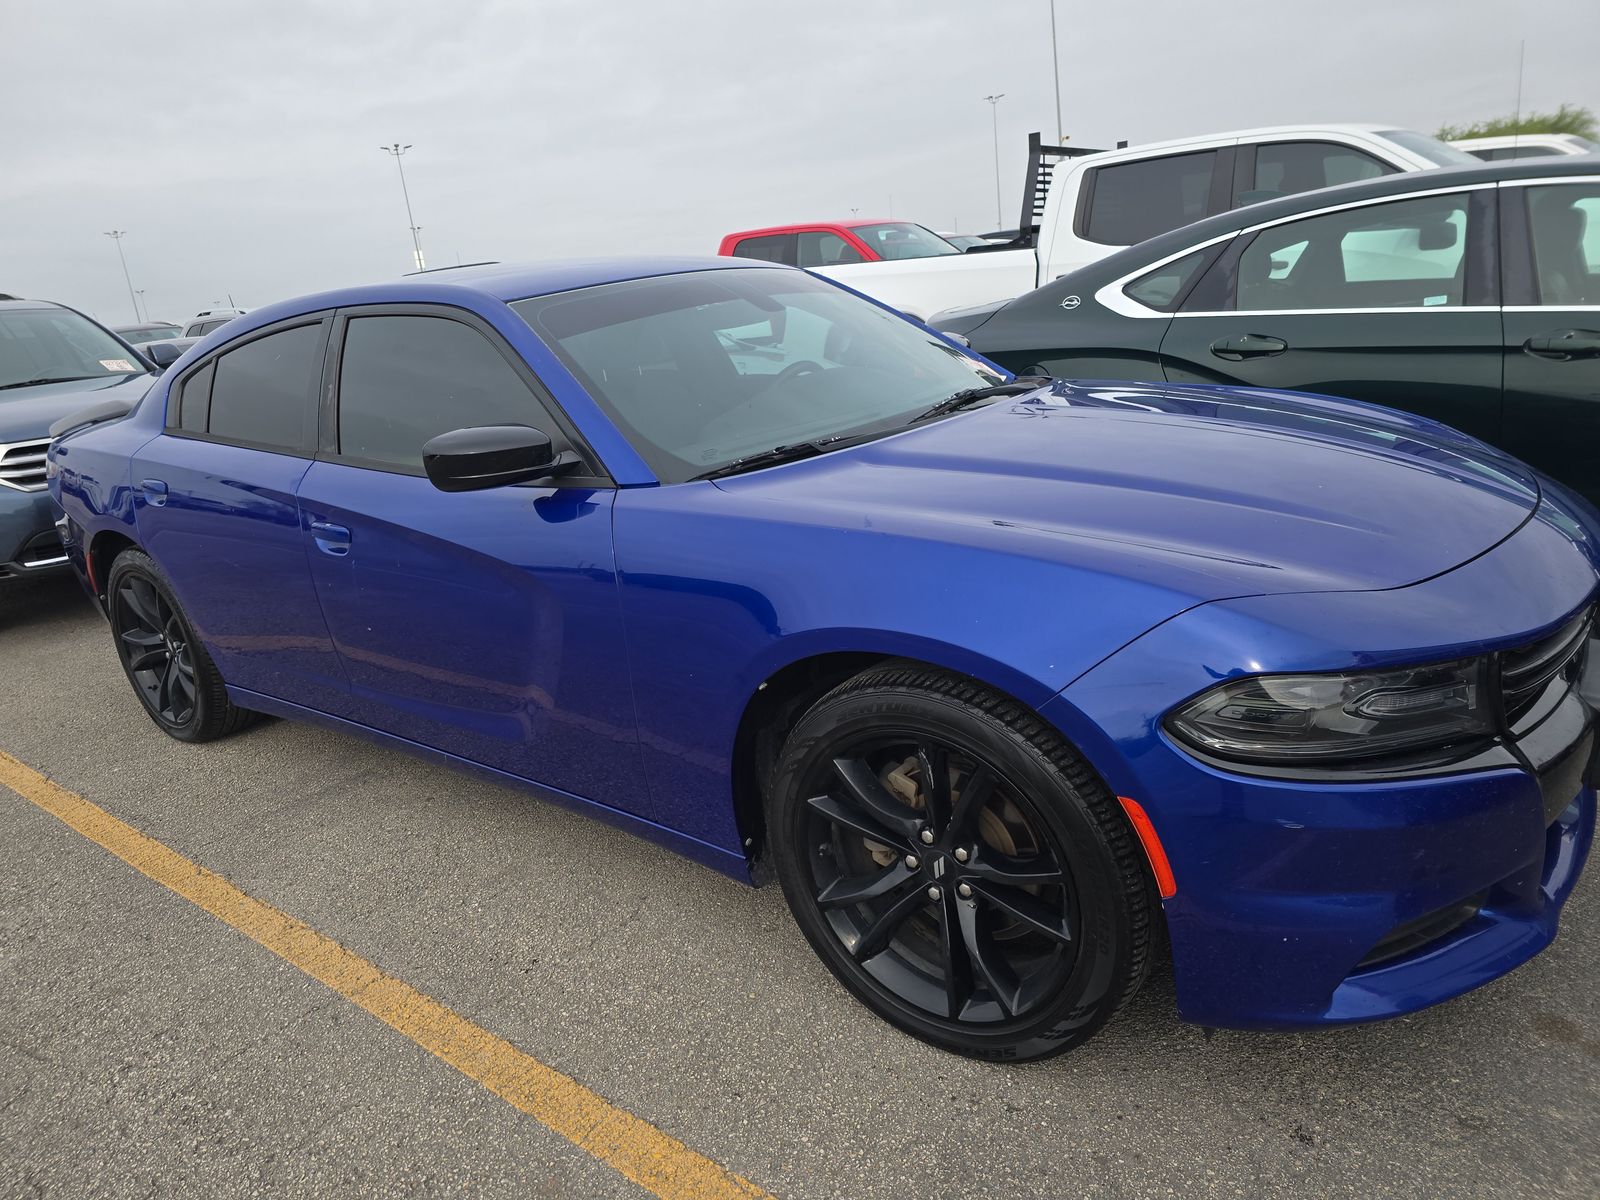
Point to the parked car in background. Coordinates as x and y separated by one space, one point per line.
989 673
1471 296
1080 205
204 322
1526 145
53 360
825 245
150 331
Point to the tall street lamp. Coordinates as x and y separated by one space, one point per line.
416 230
142 304
1055 62
994 110
116 235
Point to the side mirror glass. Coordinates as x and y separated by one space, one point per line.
468 460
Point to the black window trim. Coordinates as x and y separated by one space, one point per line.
327 440
308 420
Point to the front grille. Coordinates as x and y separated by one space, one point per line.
22 465
1526 673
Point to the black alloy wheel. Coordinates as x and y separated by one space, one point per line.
958 867
169 668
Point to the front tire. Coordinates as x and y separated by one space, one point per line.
958 866
171 673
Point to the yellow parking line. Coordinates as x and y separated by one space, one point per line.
660 1164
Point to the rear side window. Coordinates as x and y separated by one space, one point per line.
1564 221
778 248
263 393
406 379
194 399
1132 201
1404 254
1287 168
819 248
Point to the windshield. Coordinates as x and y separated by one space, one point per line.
43 345
151 333
1440 154
704 368
901 239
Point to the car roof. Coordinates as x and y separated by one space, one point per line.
17 302
505 282
1399 184
802 226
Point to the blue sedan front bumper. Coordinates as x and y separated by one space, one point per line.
29 543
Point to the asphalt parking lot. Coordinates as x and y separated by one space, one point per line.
148 1048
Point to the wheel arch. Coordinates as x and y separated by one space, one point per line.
102 551
791 685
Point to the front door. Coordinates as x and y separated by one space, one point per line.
484 624
1391 303
1552 329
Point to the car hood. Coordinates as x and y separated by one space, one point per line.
1208 491
26 414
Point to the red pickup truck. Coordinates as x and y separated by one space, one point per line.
828 244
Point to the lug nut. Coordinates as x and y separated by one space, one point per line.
964 891
961 854
927 837
912 862
934 893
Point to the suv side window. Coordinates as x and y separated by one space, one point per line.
1286 168
819 248
777 247
405 379
1132 201
263 394
1564 225
1404 254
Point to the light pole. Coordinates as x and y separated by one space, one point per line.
994 111
136 307
116 235
1055 62
416 230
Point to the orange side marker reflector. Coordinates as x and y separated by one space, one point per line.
1162 869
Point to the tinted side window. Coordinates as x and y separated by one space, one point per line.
1285 168
1162 288
819 248
194 399
405 379
263 393
778 248
1406 254
1137 200
1564 222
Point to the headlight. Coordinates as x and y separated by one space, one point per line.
1345 718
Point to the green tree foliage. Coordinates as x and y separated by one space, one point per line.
1569 118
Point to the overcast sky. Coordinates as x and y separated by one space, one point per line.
238 143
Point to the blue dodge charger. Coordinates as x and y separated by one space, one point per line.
996 676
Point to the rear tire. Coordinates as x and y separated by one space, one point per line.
1004 912
171 673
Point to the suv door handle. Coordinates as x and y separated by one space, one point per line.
154 491
330 538
1248 345
1563 344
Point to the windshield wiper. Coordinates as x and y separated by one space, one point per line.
793 452
49 379
1014 387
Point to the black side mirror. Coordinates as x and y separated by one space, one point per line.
1437 235
163 354
468 460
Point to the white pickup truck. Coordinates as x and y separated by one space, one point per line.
1080 205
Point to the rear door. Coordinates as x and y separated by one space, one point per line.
484 624
1391 302
214 497
1551 233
